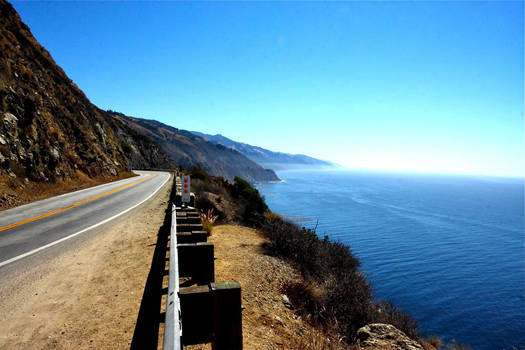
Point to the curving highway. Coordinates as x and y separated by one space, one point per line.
34 227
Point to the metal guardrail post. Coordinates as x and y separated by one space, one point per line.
172 325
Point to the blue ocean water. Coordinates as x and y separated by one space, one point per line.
449 250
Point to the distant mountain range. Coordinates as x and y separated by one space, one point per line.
266 158
187 149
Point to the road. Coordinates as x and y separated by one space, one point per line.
33 227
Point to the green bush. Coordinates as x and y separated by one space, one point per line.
126 147
197 172
255 206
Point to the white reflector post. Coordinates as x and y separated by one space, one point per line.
186 185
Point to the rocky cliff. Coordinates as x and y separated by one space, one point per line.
49 130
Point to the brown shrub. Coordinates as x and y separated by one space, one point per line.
272 216
435 342
17 168
12 183
6 67
307 299
25 72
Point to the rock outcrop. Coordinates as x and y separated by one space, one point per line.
385 336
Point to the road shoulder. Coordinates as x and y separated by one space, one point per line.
268 323
89 296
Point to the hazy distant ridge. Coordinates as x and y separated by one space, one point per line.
267 158
188 150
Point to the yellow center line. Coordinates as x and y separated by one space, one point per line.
74 205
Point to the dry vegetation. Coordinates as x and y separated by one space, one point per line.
269 323
335 292
208 219
14 192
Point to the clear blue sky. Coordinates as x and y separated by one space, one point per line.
407 86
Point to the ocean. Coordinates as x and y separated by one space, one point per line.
449 250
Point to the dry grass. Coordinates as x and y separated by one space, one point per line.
268 324
208 219
14 192
272 216
320 341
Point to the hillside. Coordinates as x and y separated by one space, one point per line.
188 150
49 130
267 158
141 151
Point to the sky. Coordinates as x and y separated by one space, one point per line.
423 86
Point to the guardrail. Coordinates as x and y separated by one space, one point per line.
211 311
172 325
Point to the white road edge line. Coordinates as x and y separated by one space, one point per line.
117 182
82 231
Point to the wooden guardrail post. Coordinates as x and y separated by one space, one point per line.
189 227
189 219
192 237
212 313
196 303
227 316
197 260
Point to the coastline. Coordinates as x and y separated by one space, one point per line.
333 295
403 246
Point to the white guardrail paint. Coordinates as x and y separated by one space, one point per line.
172 325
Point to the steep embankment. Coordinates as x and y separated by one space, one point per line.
189 150
49 130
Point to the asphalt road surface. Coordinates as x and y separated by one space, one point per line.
33 227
